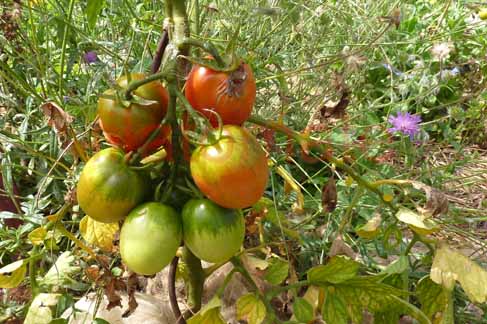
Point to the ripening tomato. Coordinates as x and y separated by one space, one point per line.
129 127
108 189
231 95
232 172
212 233
150 237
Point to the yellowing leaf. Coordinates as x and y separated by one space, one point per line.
370 229
41 309
418 223
12 274
436 301
209 314
156 157
97 233
277 271
450 266
337 270
61 272
37 236
251 309
303 310
254 262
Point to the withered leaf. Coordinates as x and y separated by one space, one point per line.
131 288
57 117
340 247
437 202
329 195
111 291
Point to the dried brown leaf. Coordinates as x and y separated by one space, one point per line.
329 195
57 117
131 288
437 202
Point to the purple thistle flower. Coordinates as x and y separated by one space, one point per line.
405 123
90 57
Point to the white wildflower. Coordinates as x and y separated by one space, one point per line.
441 51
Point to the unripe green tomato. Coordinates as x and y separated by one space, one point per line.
108 189
211 232
150 237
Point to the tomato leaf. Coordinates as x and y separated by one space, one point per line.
209 314
418 223
97 233
337 270
334 308
93 10
12 274
303 310
62 270
398 266
37 236
436 301
42 309
370 229
277 271
251 309
450 266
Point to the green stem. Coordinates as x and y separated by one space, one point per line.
33 273
207 47
196 17
196 279
63 51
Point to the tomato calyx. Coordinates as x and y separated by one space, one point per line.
234 85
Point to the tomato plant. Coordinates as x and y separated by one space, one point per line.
150 237
108 189
231 94
128 123
232 172
211 232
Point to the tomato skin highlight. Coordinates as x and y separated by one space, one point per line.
150 237
107 188
234 171
129 127
231 95
212 233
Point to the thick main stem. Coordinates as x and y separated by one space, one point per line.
196 280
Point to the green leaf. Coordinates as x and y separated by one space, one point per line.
398 266
337 270
99 321
450 266
59 321
93 10
418 223
251 309
334 308
277 271
12 274
365 293
41 309
209 314
303 310
436 301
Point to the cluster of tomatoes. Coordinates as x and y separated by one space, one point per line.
231 171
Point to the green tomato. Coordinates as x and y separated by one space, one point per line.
212 233
108 189
150 237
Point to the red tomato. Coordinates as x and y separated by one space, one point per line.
232 172
231 95
129 127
